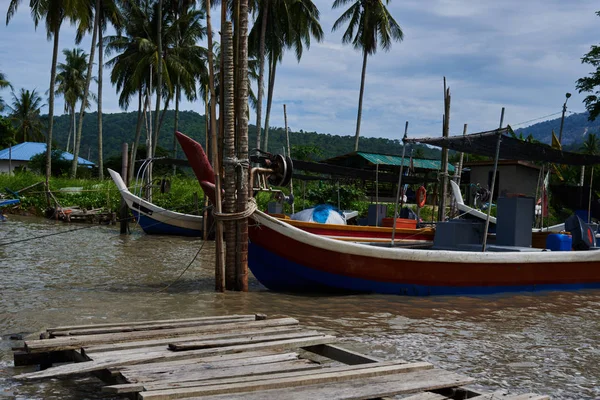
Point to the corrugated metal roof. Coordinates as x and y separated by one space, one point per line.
384 159
24 151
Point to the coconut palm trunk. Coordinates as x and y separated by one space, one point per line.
360 99
71 126
176 124
51 112
261 73
242 195
88 80
159 71
229 205
138 134
272 70
100 67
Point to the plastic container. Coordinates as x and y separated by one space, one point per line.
401 223
559 242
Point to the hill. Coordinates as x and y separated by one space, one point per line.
575 130
120 127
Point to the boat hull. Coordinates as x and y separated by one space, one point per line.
284 258
156 220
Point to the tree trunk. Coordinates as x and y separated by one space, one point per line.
360 99
229 205
219 259
162 119
242 195
159 70
51 113
272 70
71 126
138 133
176 124
100 67
261 73
86 91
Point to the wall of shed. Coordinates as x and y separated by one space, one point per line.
513 178
15 163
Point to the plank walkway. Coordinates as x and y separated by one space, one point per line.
233 357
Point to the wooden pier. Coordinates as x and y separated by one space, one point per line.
233 357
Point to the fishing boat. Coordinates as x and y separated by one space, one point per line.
5 203
157 220
355 233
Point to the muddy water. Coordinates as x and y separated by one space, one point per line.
547 343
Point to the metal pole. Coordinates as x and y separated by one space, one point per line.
289 153
589 218
487 219
377 194
124 225
562 120
399 183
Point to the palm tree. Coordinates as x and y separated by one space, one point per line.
372 22
53 12
290 25
3 85
70 83
25 116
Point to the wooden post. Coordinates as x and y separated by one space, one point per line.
399 191
206 130
220 257
289 153
445 133
489 211
123 214
589 218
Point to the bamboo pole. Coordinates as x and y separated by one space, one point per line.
589 218
220 256
489 211
289 152
399 183
445 133
124 224
206 130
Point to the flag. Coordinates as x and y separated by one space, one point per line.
545 196
555 143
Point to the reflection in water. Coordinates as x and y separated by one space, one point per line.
547 343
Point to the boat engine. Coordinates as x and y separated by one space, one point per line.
276 168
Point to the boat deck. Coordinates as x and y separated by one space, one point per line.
233 357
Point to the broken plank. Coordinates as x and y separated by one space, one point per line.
189 338
324 376
143 327
205 344
426 396
75 342
342 355
90 366
191 377
355 389
62 329
508 396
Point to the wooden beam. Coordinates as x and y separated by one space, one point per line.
276 381
205 344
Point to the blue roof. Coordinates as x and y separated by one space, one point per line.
24 152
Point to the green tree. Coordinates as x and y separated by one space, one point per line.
590 84
7 133
369 22
3 85
70 81
25 116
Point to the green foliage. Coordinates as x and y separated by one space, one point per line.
7 133
60 166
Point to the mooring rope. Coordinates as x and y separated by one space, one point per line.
236 216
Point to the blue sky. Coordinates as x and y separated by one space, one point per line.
523 55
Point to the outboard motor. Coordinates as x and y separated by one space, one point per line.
583 236
281 167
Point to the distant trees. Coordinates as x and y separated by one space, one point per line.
3 85
25 116
591 83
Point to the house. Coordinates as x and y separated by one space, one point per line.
512 177
20 154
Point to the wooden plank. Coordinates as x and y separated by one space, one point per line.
355 389
222 360
90 366
191 376
210 319
341 355
205 344
143 327
508 396
75 342
188 338
275 381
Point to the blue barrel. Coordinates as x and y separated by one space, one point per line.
559 242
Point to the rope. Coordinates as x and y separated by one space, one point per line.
250 208
236 162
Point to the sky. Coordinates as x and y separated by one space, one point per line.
523 55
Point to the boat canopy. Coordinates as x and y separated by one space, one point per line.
511 148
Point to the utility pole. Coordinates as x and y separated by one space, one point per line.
562 120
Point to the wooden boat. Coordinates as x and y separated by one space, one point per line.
157 220
285 258
8 202
205 175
